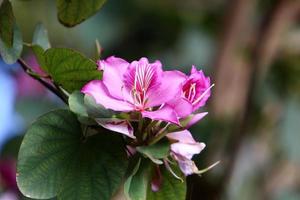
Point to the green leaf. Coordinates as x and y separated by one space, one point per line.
155 152
69 68
73 12
11 54
171 188
40 37
7 21
56 160
76 103
39 54
136 185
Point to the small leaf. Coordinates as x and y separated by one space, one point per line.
136 185
56 160
40 37
76 103
170 189
73 12
11 54
155 152
7 22
70 69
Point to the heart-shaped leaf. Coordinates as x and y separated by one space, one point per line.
55 159
72 12
69 68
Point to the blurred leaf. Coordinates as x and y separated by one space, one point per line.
69 68
136 185
40 36
73 12
7 21
11 54
170 189
155 152
55 159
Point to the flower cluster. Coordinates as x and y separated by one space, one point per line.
152 105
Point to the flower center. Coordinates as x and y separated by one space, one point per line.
143 79
194 93
190 92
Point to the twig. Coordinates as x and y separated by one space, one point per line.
35 76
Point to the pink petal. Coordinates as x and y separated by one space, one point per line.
113 72
187 166
101 95
117 125
195 118
170 87
182 107
185 146
187 150
202 86
166 113
182 136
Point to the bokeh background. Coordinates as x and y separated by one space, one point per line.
251 50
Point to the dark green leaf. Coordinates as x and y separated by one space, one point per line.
136 185
155 152
11 54
69 68
55 159
7 21
40 37
73 12
171 188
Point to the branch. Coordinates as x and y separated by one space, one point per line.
35 76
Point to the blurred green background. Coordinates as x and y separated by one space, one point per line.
251 50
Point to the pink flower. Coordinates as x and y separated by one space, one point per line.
138 86
183 149
194 92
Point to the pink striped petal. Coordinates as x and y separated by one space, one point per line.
170 88
113 72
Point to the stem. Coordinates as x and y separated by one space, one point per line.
140 128
162 133
37 77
